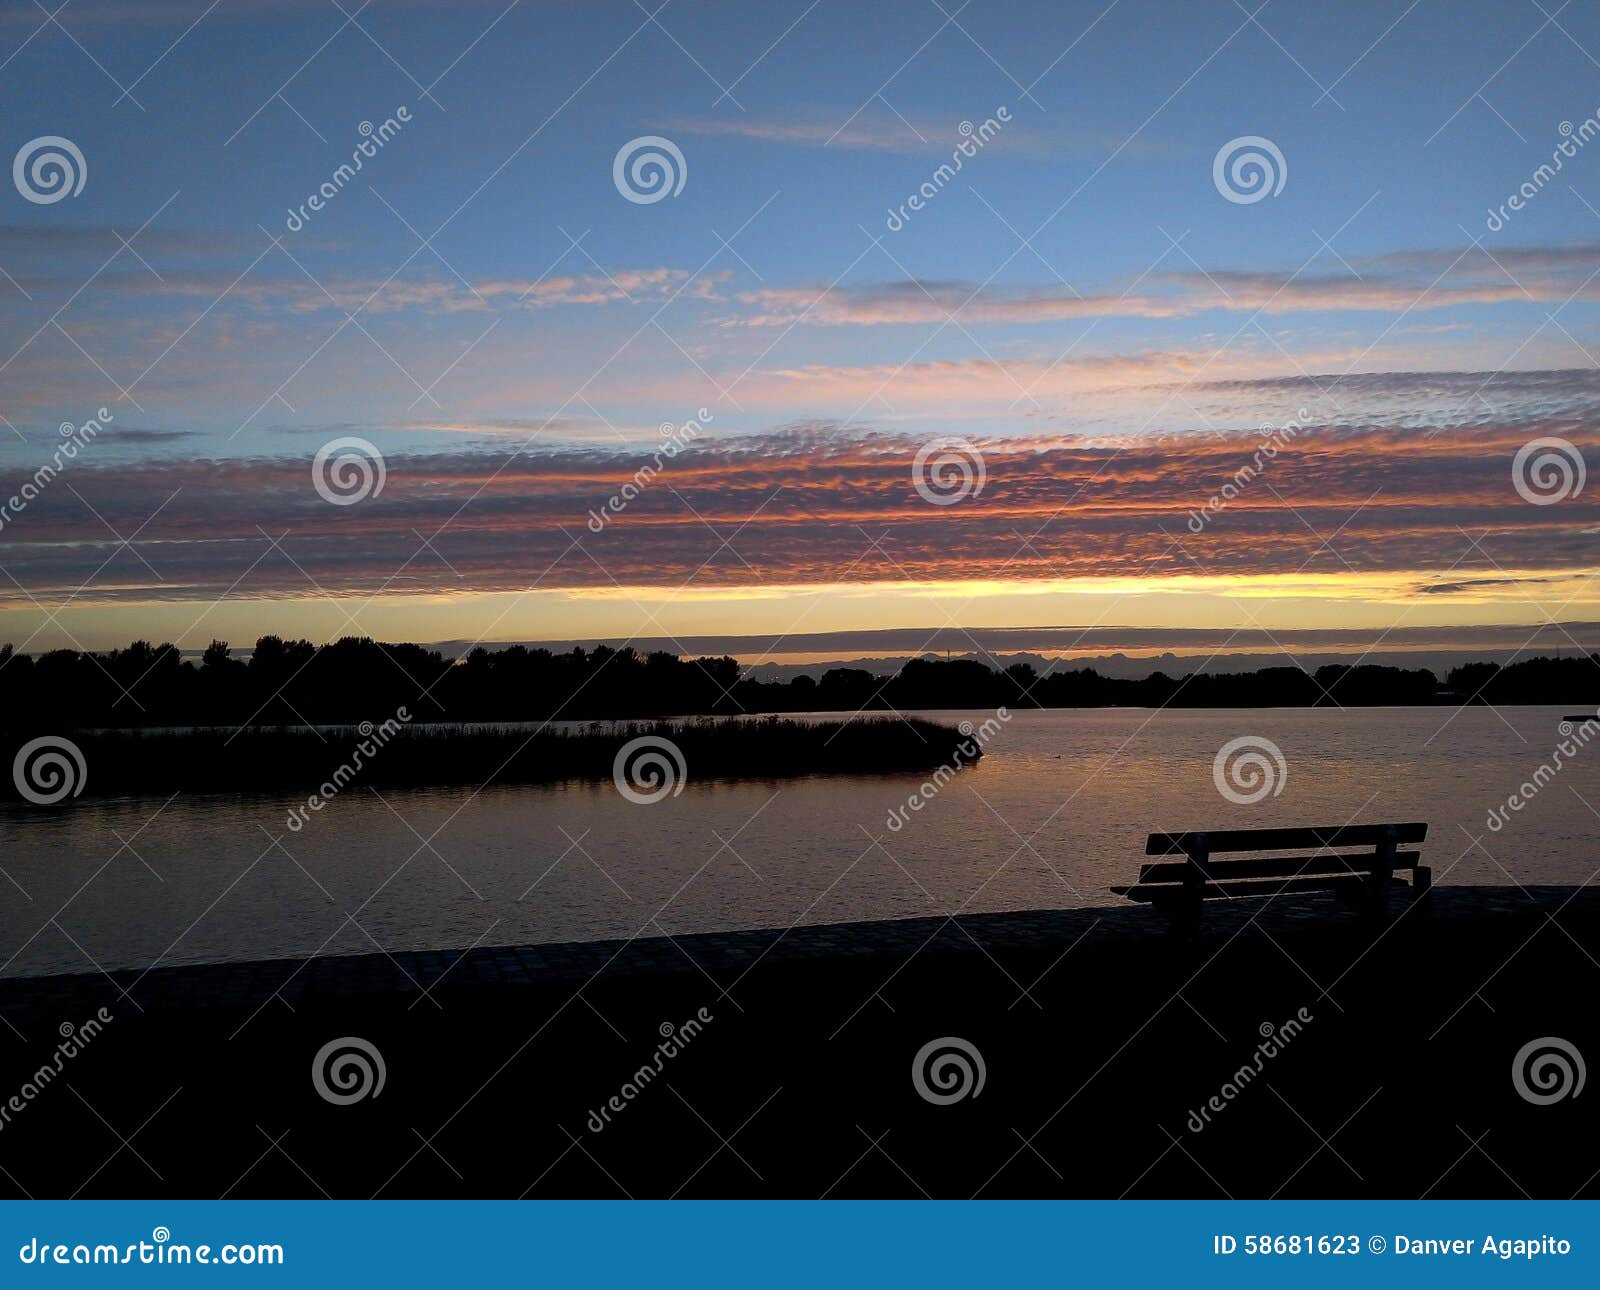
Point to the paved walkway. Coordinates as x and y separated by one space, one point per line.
71 997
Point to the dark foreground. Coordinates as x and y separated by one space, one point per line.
790 1071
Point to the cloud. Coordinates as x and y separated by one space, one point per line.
301 294
864 132
820 505
922 302
98 241
1478 584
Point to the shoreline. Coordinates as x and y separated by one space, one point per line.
1119 929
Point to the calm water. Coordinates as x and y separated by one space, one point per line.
1056 812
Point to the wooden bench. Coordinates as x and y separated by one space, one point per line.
1358 860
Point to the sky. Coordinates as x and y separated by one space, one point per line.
932 318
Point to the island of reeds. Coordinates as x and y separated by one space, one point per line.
651 758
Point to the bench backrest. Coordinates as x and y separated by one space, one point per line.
1320 853
1341 835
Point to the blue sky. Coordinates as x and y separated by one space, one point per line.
1080 280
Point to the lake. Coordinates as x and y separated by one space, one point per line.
1054 814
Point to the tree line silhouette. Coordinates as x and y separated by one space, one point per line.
289 682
